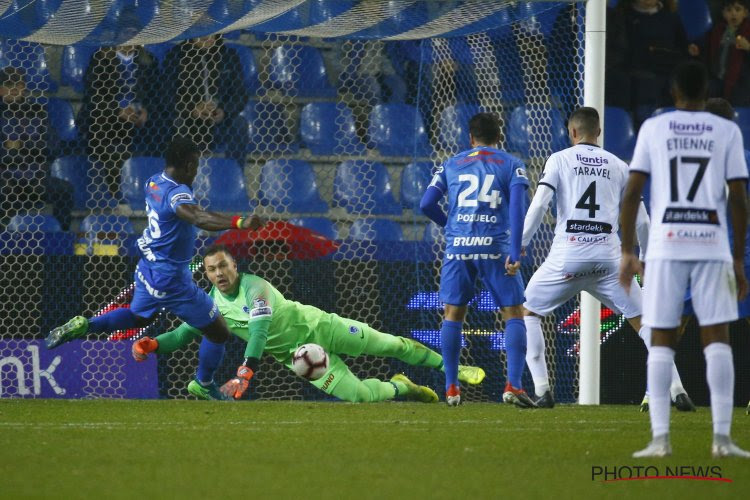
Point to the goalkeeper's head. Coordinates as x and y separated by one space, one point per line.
690 85
182 158
221 269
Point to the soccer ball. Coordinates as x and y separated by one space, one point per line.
310 361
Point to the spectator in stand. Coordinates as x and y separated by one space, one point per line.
121 115
653 40
24 155
727 54
208 94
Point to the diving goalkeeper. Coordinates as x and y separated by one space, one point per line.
258 313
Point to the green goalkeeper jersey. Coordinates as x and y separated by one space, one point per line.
259 314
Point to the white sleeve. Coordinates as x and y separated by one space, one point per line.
642 223
536 211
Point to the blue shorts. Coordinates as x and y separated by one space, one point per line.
743 306
177 294
457 279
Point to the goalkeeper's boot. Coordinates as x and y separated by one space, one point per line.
546 400
471 375
658 447
207 392
683 402
517 397
453 395
644 404
73 329
724 447
415 392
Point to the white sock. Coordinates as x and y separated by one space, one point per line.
535 354
676 386
659 375
720 376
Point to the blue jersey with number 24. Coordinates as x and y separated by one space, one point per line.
478 183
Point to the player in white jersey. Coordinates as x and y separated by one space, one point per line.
585 253
691 156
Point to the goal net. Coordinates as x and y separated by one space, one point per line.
331 115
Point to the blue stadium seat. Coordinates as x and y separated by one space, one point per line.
454 127
414 181
743 120
249 69
376 230
159 51
397 130
696 18
619 134
107 223
324 10
267 130
104 234
324 226
135 172
222 182
548 127
364 187
290 186
61 119
34 222
30 57
86 194
75 61
328 128
299 70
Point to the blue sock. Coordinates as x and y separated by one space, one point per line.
450 338
210 355
119 319
515 349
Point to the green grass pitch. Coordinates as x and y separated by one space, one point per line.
259 450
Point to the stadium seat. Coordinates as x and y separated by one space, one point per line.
104 234
364 188
376 230
61 119
619 135
290 186
34 222
414 181
743 120
249 69
549 126
86 194
222 182
328 128
107 223
267 129
135 172
696 18
75 61
397 130
454 127
159 51
324 226
299 70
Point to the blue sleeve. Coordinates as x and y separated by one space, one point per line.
516 209
181 195
430 207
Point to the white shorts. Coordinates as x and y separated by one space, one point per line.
713 290
556 282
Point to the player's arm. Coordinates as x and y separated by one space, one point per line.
165 343
430 202
213 221
630 264
516 215
737 202
537 209
642 225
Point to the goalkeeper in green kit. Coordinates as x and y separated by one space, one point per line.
258 313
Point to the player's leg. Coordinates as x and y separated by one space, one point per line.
666 283
714 293
340 382
456 290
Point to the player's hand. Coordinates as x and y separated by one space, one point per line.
511 268
253 222
143 346
742 43
694 50
237 386
741 279
629 267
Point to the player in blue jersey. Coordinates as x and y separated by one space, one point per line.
486 190
162 276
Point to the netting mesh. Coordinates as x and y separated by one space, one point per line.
340 136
